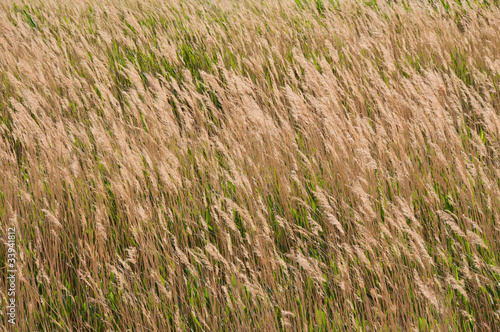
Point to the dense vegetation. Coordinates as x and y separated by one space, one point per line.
241 165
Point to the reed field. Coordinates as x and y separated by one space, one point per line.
250 165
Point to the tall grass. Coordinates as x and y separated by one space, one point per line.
249 165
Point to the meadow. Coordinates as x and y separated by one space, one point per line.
251 165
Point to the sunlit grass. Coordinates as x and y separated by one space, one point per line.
252 166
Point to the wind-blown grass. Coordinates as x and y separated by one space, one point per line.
251 165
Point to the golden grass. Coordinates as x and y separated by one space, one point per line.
251 165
